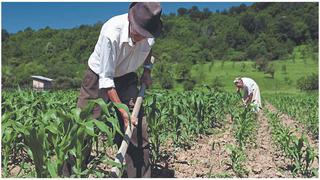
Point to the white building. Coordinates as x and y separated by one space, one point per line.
40 83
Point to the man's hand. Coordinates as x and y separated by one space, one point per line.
125 118
244 102
113 96
146 78
237 89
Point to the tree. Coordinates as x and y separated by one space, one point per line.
260 23
257 50
4 35
284 28
247 21
301 32
237 9
194 13
261 5
182 11
206 13
262 32
50 48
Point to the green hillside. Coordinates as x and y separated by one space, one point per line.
192 40
284 81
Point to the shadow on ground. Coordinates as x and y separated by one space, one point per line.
158 171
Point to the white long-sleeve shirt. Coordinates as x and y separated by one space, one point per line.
115 54
250 86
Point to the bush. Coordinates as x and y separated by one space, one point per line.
67 82
308 83
188 85
287 80
270 70
166 82
217 84
261 64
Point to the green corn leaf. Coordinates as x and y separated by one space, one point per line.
52 128
52 168
102 126
122 106
89 128
111 162
103 105
115 124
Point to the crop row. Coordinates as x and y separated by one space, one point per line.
244 127
304 108
296 148
41 130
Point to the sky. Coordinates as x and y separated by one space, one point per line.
16 16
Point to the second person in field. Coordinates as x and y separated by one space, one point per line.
251 92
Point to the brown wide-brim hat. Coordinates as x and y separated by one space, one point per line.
144 18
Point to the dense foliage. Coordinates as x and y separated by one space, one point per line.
266 31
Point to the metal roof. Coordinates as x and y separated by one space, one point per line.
42 78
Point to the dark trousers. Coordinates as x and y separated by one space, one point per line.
137 157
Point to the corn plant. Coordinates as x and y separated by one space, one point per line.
303 108
238 158
51 132
245 126
297 149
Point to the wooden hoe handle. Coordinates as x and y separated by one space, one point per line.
115 171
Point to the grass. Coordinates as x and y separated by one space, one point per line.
282 82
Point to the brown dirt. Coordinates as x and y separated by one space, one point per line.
14 170
202 160
110 153
264 160
297 128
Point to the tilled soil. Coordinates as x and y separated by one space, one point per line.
264 160
206 158
298 129
294 125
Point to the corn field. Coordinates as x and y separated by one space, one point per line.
40 130
302 107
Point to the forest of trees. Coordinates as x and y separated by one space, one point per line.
267 31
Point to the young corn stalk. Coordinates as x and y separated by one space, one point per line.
296 149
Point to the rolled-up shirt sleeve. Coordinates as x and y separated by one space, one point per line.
107 64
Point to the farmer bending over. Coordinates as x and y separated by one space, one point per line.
251 92
124 44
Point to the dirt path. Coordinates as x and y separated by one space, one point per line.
295 126
263 159
202 160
